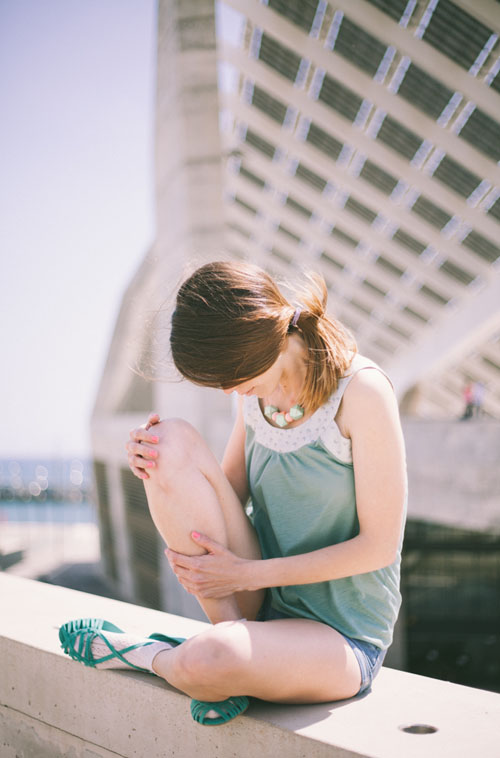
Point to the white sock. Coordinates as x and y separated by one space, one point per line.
141 656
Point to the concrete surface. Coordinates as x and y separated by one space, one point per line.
48 546
51 706
453 472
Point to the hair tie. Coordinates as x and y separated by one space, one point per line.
296 316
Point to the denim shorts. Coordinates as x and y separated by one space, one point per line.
370 659
369 656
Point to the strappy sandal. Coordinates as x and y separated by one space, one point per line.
227 710
76 639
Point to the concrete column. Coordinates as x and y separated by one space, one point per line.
189 186
117 508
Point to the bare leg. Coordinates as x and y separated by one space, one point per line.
288 661
188 491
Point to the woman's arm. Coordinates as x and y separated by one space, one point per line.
370 417
233 461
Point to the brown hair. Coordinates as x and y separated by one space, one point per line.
231 322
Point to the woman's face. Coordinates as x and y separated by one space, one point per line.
263 385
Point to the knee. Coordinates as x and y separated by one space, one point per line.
176 436
178 441
209 659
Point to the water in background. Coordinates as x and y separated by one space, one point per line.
48 517
57 491
47 512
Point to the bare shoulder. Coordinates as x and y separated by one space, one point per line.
368 399
369 383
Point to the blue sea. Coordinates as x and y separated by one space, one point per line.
49 512
55 472
46 491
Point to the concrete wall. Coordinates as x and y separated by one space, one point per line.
454 472
52 707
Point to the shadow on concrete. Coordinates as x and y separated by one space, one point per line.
85 577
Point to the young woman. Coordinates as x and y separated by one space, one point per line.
303 592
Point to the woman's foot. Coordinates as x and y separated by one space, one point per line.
134 652
104 646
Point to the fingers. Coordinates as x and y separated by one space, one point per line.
192 581
153 419
137 461
141 453
141 456
178 560
143 435
211 546
142 450
139 473
138 466
199 577
182 566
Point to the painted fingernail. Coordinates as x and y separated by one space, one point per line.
195 535
155 439
150 464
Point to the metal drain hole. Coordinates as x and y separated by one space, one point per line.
419 729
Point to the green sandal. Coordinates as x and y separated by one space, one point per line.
78 647
76 639
227 710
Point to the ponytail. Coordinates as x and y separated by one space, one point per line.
329 344
231 323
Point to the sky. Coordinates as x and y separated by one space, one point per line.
77 81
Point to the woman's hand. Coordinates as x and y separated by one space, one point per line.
140 448
216 574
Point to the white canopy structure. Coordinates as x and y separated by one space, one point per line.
360 138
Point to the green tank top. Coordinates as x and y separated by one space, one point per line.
302 492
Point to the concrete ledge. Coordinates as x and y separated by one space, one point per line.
52 707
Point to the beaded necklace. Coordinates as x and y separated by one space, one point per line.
283 418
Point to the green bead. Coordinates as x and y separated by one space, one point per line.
296 412
281 420
269 410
